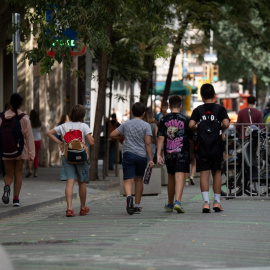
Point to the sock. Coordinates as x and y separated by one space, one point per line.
16 198
187 179
205 196
176 202
191 177
129 195
137 205
217 197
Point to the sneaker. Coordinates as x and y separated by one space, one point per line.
178 207
217 207
191 180
5 197
137 210
16 202
130 207
168 207
206 207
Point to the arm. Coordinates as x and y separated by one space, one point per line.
160 141
115 134
225 124
89 139
192 125
29 140
51 134
148 145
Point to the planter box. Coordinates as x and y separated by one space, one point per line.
153 188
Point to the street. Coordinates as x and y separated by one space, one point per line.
109 238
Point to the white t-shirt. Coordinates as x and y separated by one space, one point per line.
84 128
36 133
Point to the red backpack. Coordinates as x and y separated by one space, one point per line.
75 150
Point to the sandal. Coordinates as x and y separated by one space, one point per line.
84 211
28 174
70 213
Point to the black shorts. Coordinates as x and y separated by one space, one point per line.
177 163
213 164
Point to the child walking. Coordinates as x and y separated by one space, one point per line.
174 134
138 145
74 172
212 160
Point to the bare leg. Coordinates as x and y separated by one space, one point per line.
179 185
128 186
171 188
204 180
82 193
10 168
216 181
69 193
29 166
138 189
18 177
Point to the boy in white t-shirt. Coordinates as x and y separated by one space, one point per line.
72 172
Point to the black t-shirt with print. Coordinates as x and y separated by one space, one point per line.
174 127
222 113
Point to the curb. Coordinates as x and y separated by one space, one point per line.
32 207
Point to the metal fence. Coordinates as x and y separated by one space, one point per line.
245 169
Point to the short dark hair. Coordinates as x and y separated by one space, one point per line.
113 116
34 119
207 91
164 103
251 100
77 113
175 102
138 109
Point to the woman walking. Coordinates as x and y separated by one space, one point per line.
15 120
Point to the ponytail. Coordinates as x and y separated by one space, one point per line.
16 101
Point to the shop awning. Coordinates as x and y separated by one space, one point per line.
177 88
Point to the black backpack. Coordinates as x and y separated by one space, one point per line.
11 137
209 144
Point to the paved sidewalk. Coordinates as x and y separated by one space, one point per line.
108 238
47 189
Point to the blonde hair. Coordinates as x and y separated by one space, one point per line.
148 117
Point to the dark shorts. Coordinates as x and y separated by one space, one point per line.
133 165
213 164
177 163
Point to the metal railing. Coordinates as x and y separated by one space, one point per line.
245 169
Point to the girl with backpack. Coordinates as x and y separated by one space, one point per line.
17 145
36 129
71 170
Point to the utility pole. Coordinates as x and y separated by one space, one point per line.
16 17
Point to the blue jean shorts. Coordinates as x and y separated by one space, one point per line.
133 165
75 171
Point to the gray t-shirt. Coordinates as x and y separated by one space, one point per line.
134 132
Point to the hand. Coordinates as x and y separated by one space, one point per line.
151 162
61 147
160 160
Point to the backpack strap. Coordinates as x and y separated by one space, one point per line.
216 110
21 116
201 110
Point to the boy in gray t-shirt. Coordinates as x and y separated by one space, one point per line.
137 146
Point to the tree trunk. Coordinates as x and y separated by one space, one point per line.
146 84
102 85
176 48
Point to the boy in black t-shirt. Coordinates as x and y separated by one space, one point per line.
205 164
173 132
